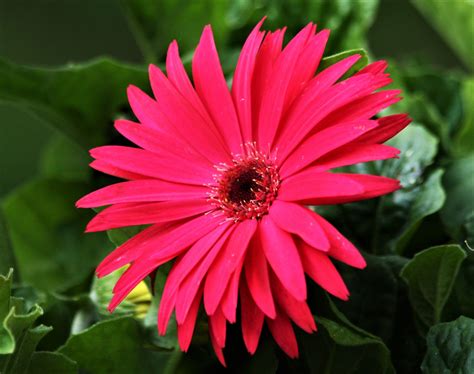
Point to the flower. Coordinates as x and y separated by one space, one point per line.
223 178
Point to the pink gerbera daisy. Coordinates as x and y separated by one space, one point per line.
223 179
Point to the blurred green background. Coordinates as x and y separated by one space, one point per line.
64 69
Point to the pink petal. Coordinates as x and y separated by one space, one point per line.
227 261
322 143
133 214
273 98
299 220
159 244
107 168
256 274
217 325
147 111
298 311
311 184
320 268
211 86
377 67
266 57
252 320
354 154
229 300
187 122
283 257
283 333
178 76
341 248
167 304
389 126
166 144
190 285
372 186
363 108
186 329
242 82
304 118
139 161
307 64
145 190
217 349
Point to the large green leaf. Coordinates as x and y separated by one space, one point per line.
450 348
114 346
430 276
18 336
78 99
459 185
459 34
51 362
156 23
341 347
463 141
46 231
7 260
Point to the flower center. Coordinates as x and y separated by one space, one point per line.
247 188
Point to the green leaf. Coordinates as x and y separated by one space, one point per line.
459 186
331 60
114 346
121 235
64 159
460 33
18 337
7 260
78 99
340 347
51 362
463 142
430 276
450 348
156 23
46 231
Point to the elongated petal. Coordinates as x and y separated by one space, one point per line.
139 161
356 153
242 82
372 186
252 319
273 99
229 300
258 281
107 168
299 220
225 264
283 333
180 79
310 184
141 191
341 248
266 57
304 118
212 89
320 268
193 281
296 310
159 243
187 122
322 143
283 257
163 143
186 329
218 325
132 214
217 350
388 127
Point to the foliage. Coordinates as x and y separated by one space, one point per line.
410 309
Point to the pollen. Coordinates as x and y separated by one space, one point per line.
246 188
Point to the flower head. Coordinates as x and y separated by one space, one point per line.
223 179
